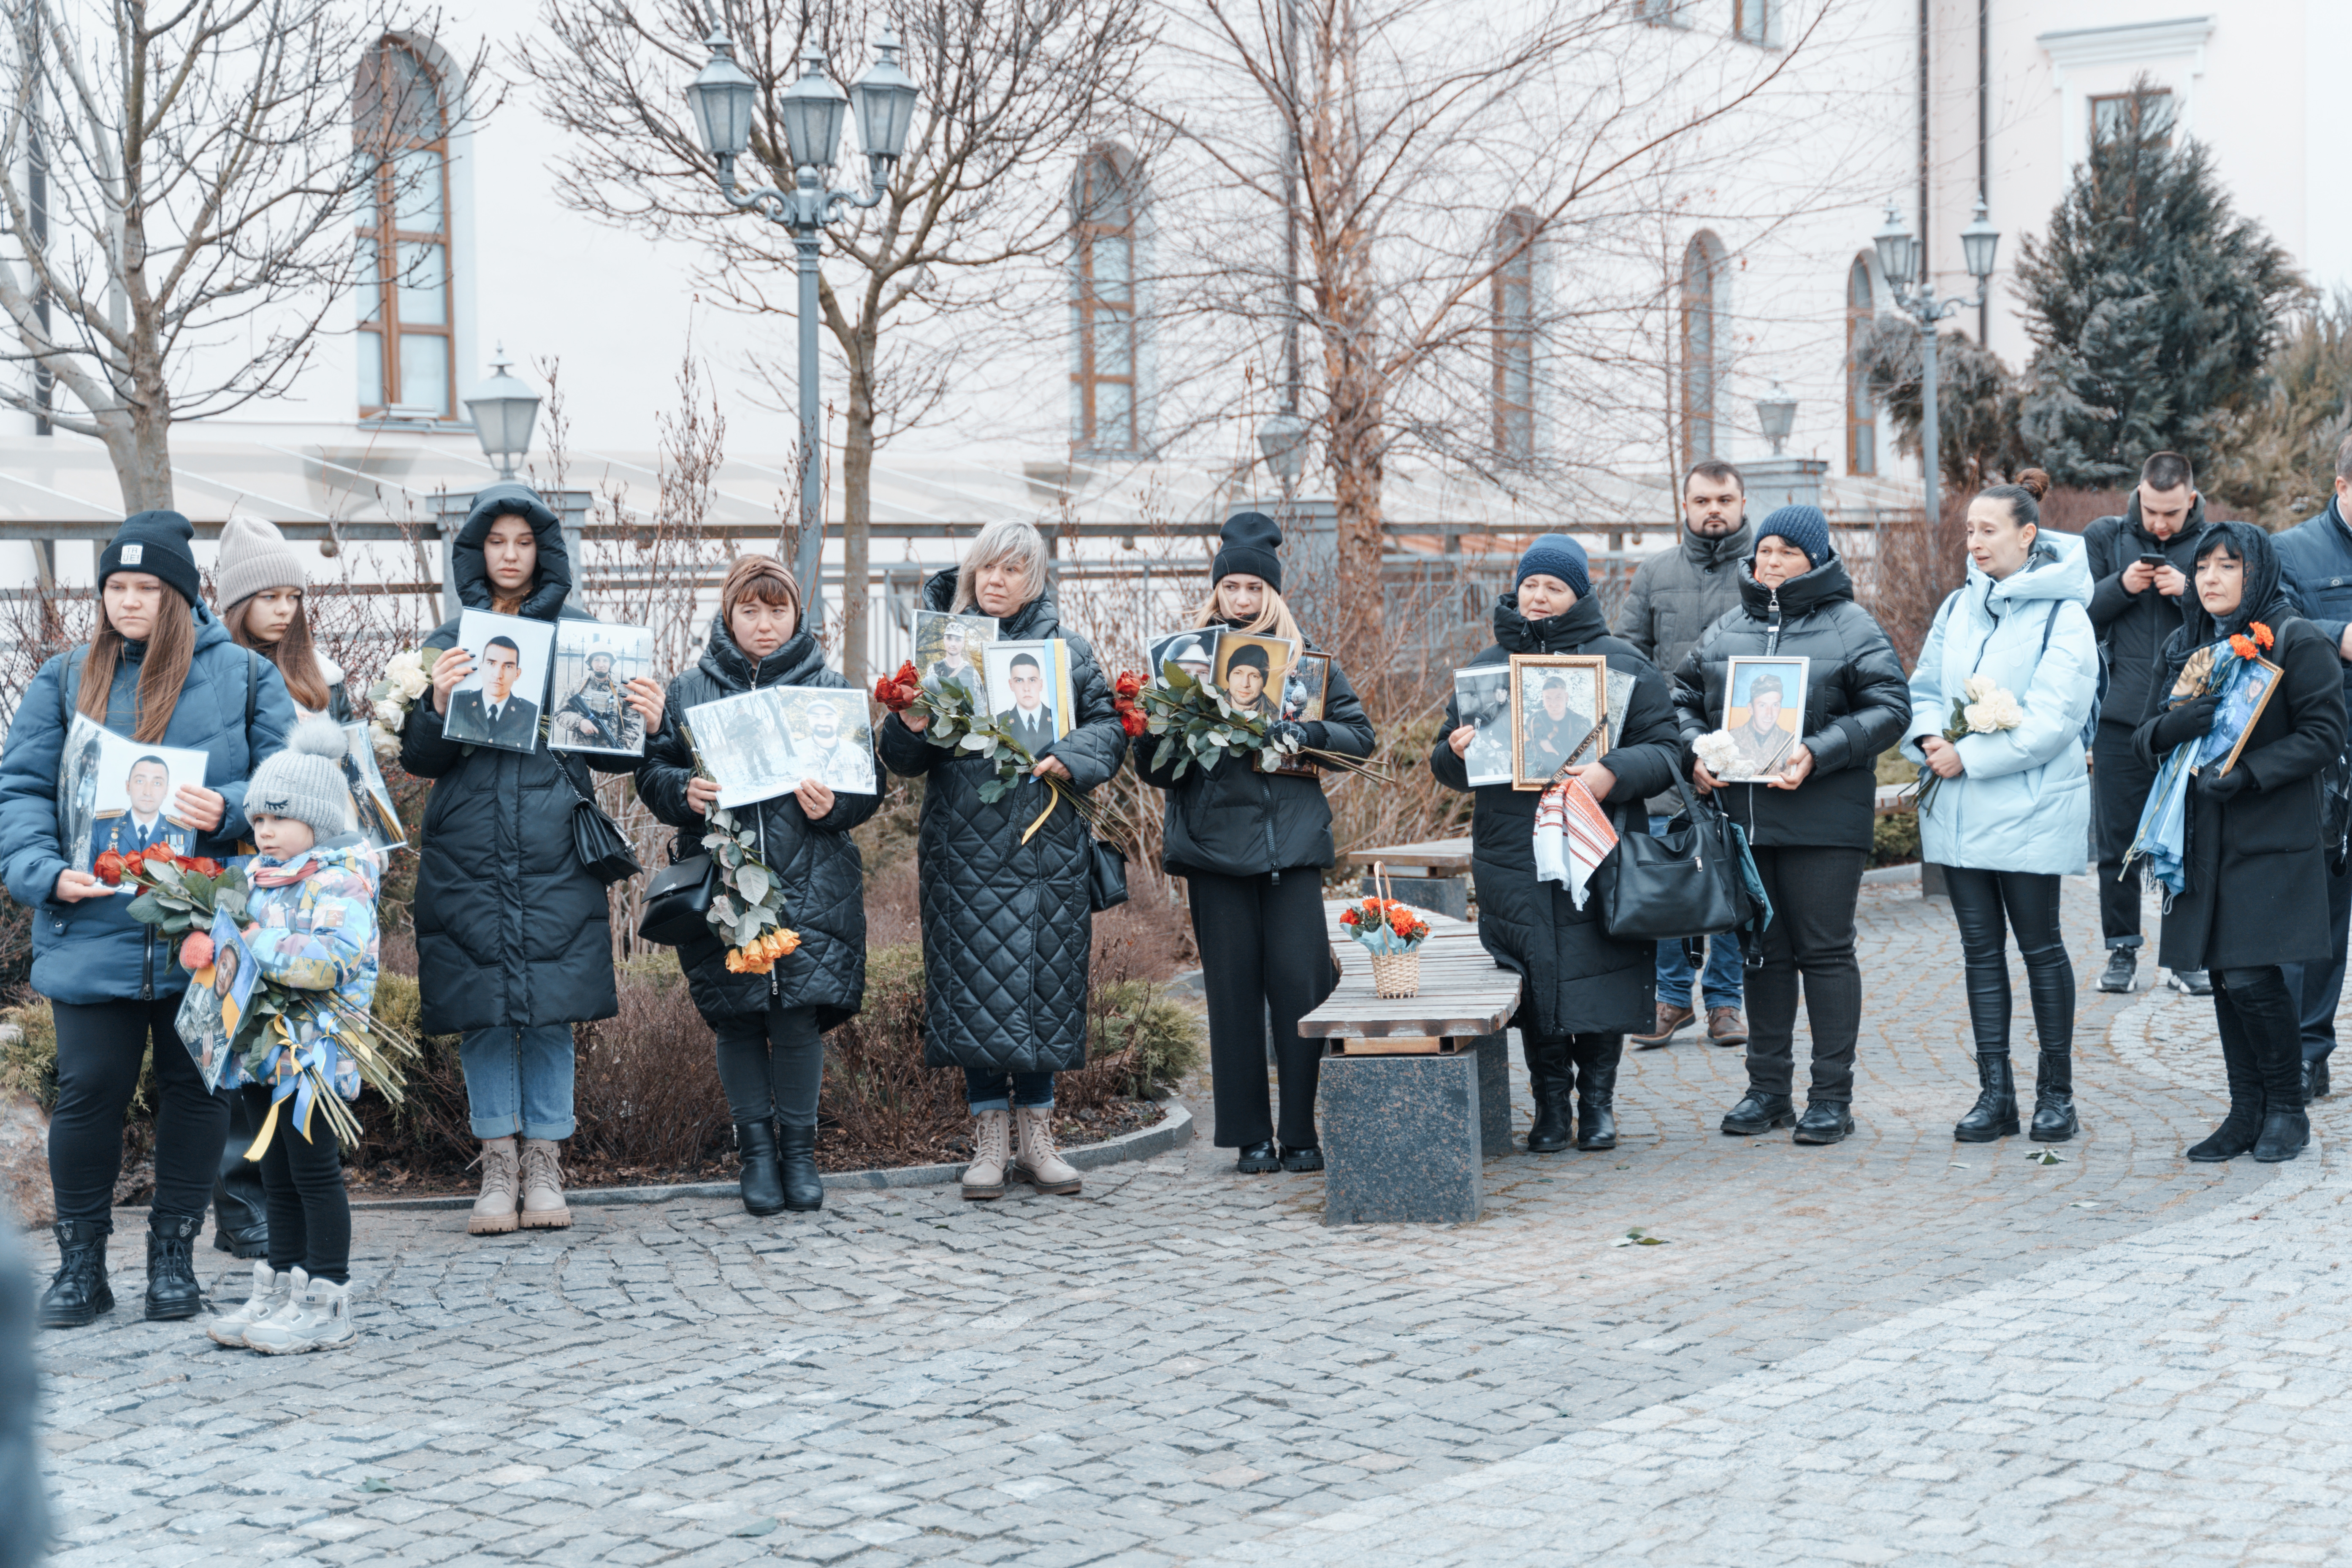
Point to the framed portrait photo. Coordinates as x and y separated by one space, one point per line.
747 745
1482 699
1559 714
376 815
830 736
497 704
129 786
2233 720
1764 709
593 667
214 1007
1029 690
1251 670
1192 650
1303 693
947 648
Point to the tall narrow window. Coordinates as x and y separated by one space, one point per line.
1702 347
1515 337
1861 419
405 358
1752 21
2144 115
1106 200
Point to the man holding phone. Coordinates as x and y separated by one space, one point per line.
2141 563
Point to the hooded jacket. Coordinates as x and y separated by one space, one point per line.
1579 979
2257 882
2022 802
1007 931
1232 820
1856 704
93 950
318 934
2132 628
1675 596
511 930
823 878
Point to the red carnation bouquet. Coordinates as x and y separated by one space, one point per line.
1385 925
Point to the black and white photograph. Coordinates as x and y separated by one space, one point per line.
130 790
498 703
1559 705
1482 700
830 738
1192 650
747 745
594 663
1251 670
1764 708
947 648
1029 690
376 818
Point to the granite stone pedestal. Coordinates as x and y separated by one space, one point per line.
1494 1053
1404 1138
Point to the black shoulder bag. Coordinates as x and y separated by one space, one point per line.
1691 881
602 848
677 898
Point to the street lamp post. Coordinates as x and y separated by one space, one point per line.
811 112
1282 437
1777 414
503 409
1915 296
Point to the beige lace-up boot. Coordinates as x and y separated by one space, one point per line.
1038 1164
494 1211
542 1187
992 1150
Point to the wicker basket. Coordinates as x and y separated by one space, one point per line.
1393 974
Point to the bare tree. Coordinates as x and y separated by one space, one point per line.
1007 86
187 228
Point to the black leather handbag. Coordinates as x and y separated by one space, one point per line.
602 848
1106 876
1690 880
677 901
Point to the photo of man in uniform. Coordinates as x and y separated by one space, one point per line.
1483 699
147 787
951 664
1554 730
594 715
1763 745
492 714
1030 719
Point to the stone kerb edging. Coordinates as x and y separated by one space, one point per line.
1172 1131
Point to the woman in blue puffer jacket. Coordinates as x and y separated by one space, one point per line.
2009 811
158 669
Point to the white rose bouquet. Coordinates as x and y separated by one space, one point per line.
405 680
1717 751
1982 708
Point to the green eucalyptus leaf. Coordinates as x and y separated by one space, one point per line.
148 908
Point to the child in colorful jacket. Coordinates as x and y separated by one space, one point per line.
311 925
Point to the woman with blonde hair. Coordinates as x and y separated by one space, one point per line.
1253 847
1007 928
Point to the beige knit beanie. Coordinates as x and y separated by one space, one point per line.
253 556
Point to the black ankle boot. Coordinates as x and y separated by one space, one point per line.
2285 1134
1994 1115
1759 1112
803 1188
78 1292
1551 1076
763 1182
172 1288
2055 1120
1596 1091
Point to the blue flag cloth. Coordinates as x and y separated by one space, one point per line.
2162 838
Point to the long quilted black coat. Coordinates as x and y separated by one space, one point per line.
1006 931
1579 979
511 930
824 878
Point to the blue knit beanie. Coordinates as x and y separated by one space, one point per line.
1555 556
1802 526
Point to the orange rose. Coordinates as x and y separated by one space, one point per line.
109 868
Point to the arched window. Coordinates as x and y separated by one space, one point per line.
405 350
1861 419
1108 201
1515 339
1702 348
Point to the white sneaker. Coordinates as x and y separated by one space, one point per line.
992 1150
317 1316
270 1290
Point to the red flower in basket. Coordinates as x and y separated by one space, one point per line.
897 692
1351 916
108 868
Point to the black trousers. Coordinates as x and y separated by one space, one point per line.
1263 945
1812 889
2258 1007
100 1048
2318 987
309 1214
2119 787
773 1064
1988 906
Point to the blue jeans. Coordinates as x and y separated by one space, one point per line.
1724 980
519 1081
1003 1090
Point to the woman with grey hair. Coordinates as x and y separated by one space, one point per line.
1007 929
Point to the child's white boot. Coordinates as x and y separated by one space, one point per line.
317 1316
270 1291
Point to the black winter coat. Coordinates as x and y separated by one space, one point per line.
823 875
2132 628
1232 820
1578 978
1007 933
512 930
1857 703
2315 558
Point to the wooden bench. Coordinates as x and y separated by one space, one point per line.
1416 1090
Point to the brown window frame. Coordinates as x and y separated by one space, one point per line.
1099 312
1695 300
1751 22
2135 104
1515 342
1861 419
389 137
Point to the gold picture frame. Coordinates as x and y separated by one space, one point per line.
1547 734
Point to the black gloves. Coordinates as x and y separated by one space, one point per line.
2179 726
1287 733
2219 787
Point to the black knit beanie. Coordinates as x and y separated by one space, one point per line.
157 542
1248 544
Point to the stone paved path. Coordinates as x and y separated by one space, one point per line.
1896 1349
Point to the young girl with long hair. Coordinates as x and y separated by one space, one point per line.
258 583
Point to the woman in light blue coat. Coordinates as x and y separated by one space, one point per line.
2009 810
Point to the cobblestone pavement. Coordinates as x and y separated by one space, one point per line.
1894 1348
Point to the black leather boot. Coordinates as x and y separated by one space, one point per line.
78 1292
1550 1077
2284 1135
2243 1125
1994 1115
1759 1112
240 1207
172 1288
1824 1122
803 1188
1596 1090
762 1177
2053 1097
2267 1011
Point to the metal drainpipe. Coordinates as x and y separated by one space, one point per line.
1984 150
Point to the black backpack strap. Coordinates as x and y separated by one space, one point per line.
252 687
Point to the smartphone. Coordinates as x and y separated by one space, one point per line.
2154 559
